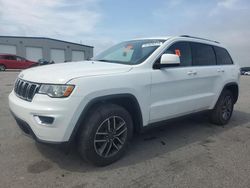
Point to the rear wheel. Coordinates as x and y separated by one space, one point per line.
105 134
2 68
223 109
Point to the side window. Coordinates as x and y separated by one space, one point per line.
19 58
223 57
182 49
202 54
11 57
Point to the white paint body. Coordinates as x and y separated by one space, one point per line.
161 93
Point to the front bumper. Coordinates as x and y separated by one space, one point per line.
29 132
62 110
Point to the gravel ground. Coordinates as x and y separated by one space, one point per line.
189 152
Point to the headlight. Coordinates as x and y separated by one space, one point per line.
56 91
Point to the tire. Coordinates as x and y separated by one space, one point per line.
223 109
2 68
98 142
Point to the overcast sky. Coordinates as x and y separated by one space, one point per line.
102 23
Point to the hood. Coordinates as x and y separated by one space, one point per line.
61 73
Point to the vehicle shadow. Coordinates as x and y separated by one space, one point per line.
151 144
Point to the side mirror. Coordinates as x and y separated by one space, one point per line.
170 59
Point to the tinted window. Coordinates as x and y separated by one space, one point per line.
223 57
19 58
182 49
10 57
3 57
203 54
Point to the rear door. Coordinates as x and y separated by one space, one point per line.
22 63
226 68
208 75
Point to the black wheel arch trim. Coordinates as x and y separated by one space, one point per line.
237 92
102 99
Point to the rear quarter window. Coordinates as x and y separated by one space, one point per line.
203 54
222 56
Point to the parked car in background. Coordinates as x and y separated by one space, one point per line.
45 62
247 73
245 70
9 61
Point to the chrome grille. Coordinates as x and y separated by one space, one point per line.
26 90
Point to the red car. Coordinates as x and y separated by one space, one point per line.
9 61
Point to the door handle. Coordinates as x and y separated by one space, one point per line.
220 70
191 72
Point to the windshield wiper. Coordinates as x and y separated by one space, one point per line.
103 60
111 61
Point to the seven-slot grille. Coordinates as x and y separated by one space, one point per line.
26 90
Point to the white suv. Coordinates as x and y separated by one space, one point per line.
100 103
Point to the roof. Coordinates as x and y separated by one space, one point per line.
45 38
181 36
154 38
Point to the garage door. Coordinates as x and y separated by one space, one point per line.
77 55
34 53
7 49
56 55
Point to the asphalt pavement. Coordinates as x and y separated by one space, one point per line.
189 152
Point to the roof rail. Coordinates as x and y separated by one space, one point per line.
199 38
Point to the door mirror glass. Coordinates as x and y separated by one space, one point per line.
170 59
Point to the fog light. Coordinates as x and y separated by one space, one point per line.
44 120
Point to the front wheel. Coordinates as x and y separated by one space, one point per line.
223 109
2 68
105 134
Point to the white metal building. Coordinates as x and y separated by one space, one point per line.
35 48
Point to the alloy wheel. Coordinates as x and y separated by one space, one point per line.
110 136
2 68
227 107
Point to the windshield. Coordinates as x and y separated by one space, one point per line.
129 52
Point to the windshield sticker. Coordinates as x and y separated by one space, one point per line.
129 47
152 44
178 52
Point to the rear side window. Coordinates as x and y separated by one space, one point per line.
9 57
203 54
182 49
3 57
223 57
12 57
